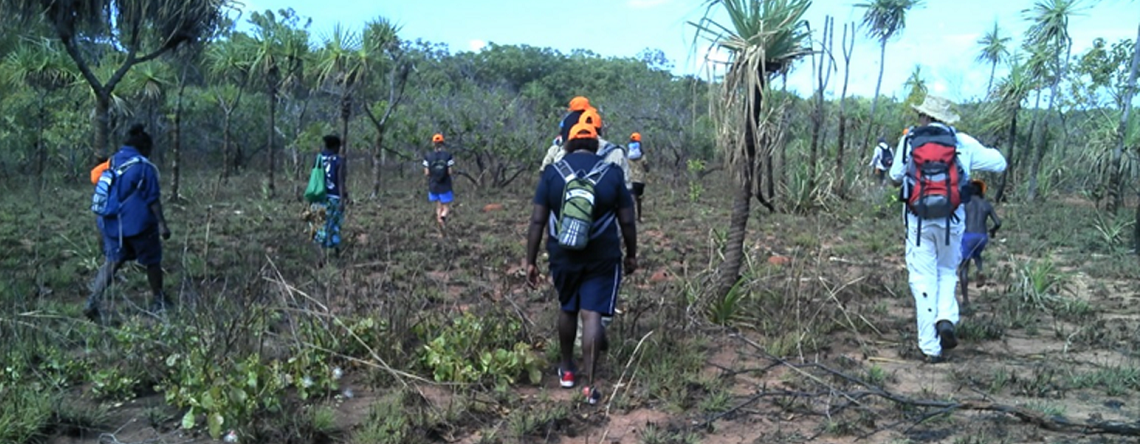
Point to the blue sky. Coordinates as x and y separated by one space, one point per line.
940 36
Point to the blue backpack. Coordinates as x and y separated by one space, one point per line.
106 201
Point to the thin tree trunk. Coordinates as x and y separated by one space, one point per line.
345 115
227 155
41 147
1042 145
272 128
878 88
101 122
377 163
1115 183
840 176
1000 197
176 155
990 85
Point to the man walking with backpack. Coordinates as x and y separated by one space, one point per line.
128 201
933 163
882 160
582 203
437 168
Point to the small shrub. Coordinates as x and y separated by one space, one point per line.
481 349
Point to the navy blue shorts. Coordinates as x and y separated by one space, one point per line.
973 244
591 287
146 248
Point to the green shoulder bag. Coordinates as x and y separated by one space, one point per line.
316 191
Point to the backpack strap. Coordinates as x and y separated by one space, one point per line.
564 170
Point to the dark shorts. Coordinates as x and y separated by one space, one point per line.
146 248
638 189
592 287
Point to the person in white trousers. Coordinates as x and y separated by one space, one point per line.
932 259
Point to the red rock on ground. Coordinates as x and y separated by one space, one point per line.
779 260
492 207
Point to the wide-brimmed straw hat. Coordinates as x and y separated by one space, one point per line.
939 108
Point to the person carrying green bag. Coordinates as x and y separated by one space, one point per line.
327 193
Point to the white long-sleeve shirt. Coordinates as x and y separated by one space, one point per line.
971 154
617 156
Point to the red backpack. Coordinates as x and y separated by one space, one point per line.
934 175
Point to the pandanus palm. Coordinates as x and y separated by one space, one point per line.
883 20
762 37
141 30
1049 29
994 50
341 64
41 66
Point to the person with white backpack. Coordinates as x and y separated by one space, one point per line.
882 160
128 201
933 163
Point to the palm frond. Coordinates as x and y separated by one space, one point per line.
884 19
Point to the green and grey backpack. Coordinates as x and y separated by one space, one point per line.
572 228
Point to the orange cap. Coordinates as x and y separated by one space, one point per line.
438 138
636 137
591 116
579 104
98 171
583 131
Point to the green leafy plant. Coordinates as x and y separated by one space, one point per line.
473 349
695 168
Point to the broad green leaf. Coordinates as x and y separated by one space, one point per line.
215 421
188 419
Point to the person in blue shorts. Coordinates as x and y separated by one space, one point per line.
978 213
437 168
587 280
134 232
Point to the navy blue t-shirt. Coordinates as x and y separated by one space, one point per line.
138 189
439 184
331 161
610 194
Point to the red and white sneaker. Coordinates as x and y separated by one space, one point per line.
566 378
592 395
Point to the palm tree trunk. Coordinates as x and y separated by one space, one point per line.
1115 183
377 163
738 226
878 88
176 135
993 69
1000 197
1042 145
741 206
226 148
345 115
272 132
41 147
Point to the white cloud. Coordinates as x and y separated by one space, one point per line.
476 45
642 4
